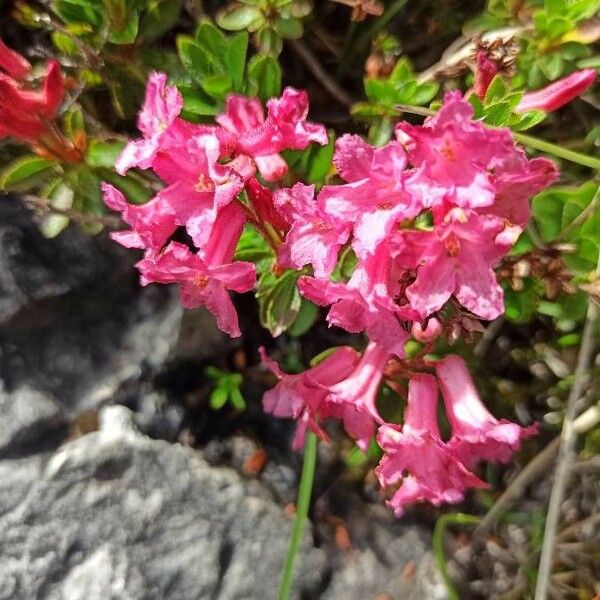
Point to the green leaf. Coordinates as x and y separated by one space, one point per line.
197 102
289 28
60 196
236 59
199 61
64 43
25 172
497 114
103 154
212 40
236 398
132 185
241 17
78 11
218 398
252 247
128 34
496 91
279 301
264 73
73 124
159 17
217 86
307 316
425 93
527 120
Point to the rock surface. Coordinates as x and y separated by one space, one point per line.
73 320
29 422
116 515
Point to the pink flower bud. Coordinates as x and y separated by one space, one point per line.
559 93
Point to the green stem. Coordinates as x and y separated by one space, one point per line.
306 483
438 545
576 157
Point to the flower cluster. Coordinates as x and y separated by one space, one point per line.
190 229
427 216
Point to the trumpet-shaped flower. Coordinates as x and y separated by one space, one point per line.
451 153
354 398
364 303
156 121
12 63
416 456
303 396
456 258
244 129
476 434
199 188
375 198
315 236
205 281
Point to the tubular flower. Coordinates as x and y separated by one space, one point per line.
353 399
159 113
456 258
557 94
303 396
364 303
244 129
199 188
416 456
476 434
451 153
25 114
315 236
205 280
374 199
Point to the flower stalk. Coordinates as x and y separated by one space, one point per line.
304 493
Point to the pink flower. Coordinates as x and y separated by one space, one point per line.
315 236
204 281
364 303
199 188
302 396
451 153
417 457
557 94
244 130
516 180
353 400
374 199
476 434
160 112
456 258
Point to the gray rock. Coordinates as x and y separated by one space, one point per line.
117 515
429 582
383 550
29 422
73 321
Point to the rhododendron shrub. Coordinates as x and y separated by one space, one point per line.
428 217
